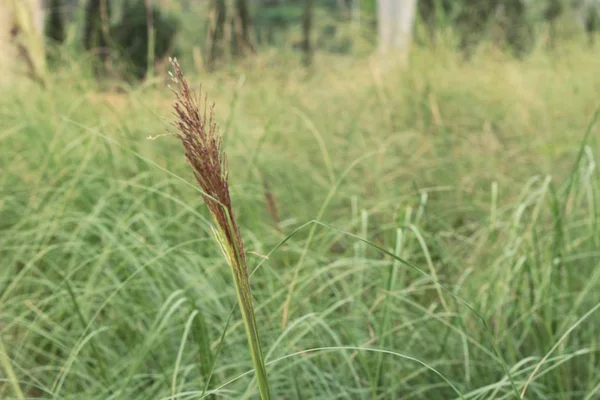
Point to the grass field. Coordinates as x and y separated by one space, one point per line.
483 176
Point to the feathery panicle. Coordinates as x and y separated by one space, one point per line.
203 147
198 132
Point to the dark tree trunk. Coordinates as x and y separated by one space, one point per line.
216 32
592 22
244 26
56 26
307 21
96 31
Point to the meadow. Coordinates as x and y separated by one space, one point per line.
429 232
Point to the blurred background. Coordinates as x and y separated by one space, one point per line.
131 38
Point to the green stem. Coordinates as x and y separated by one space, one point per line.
385 323
151 38
244 295
10 373
243 290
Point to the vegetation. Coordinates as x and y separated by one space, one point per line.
409 232
55 25
133 38
140 33
96 37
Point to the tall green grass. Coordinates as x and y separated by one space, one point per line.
436 234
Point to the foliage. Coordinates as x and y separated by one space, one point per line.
592 21
96 35
94 39
130 35
511 23
127 38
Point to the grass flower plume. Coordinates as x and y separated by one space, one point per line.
199 134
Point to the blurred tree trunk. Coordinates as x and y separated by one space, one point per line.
592 23
243 28
395 20
307 22
216 32
151 32
97 32
55 28
229 23
552 14
21 38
